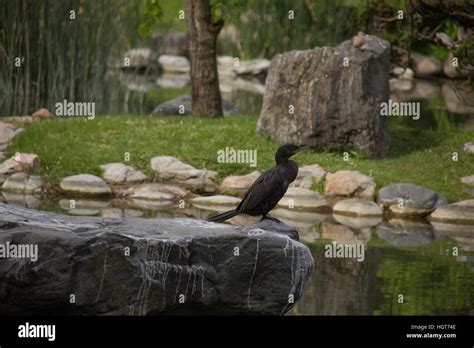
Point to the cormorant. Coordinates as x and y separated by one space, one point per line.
269 187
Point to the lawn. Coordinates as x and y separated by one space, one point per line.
76 145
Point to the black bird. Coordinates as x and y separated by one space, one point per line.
269 187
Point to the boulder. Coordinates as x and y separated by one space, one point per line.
312 99
302 199
349 183
357 207
172 169
148 266
409 200
182 105
8 132
308 175
22 183
457 213
85 184
119 173
468 180
425 65
174 64
238 184
41 114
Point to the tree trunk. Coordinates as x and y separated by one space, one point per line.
202 48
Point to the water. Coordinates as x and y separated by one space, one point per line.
408 267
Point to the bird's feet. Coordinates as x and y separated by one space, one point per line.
270 218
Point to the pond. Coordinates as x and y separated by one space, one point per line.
407 267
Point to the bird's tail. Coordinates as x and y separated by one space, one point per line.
223 216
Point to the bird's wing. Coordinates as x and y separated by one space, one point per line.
265 184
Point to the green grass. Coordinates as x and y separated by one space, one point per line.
76 145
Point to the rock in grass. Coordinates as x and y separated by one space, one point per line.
469 147
349 183
308 175
22 182
238 184
175 266
20 162
457 213
119 173
302 199
409 200
357 207
169 168
41 114
468 180
85 184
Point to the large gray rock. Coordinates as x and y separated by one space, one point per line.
182 105
335 107
409 200
148 266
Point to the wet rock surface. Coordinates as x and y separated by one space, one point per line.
148 266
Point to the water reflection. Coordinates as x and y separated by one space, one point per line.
430 265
